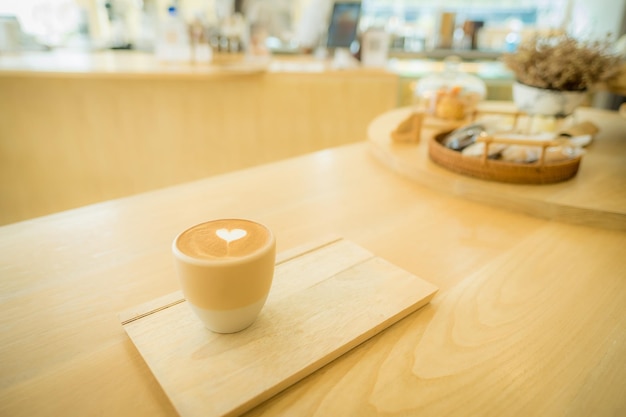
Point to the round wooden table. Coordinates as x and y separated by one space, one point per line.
596 196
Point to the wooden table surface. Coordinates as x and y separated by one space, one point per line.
530 318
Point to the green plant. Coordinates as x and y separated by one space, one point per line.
561 62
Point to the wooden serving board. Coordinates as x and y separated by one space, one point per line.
326 298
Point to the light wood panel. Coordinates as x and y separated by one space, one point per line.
68 139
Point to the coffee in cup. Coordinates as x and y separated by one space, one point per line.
225 268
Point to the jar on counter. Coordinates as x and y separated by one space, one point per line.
451 94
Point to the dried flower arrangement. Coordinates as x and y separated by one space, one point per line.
561 62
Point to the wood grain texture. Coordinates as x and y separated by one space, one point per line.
323 303
596 196
530 317
73 138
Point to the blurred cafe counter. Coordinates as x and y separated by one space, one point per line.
80 128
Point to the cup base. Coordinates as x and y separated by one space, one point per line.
229 321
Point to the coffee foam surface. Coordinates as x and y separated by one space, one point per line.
223 239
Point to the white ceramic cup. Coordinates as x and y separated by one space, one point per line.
225 268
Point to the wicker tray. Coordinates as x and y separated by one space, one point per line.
539 172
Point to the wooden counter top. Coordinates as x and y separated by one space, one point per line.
134 64
530 318
129 64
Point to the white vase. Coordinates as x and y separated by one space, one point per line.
541 101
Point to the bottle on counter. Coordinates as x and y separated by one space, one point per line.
173 44
201 50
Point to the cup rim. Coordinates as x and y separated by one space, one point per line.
226 261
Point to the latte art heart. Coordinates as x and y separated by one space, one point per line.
224 238
230 235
